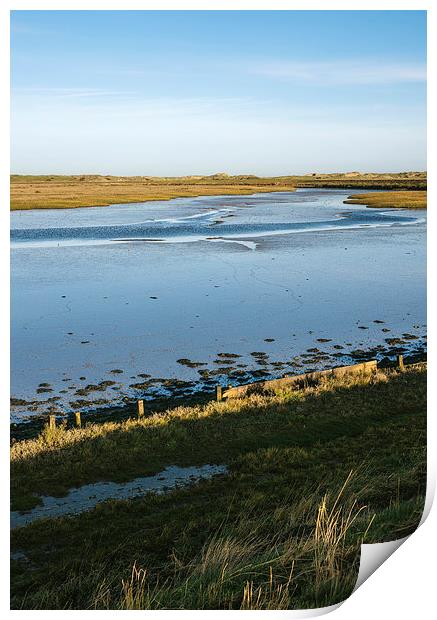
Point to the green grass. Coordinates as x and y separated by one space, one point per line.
281 530
396 200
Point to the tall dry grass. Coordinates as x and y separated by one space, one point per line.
254 572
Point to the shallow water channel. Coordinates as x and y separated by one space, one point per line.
88 496
115 303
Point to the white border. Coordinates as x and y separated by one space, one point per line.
404 585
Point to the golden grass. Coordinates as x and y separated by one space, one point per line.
54 192
396 200
269 569
65 192
55 441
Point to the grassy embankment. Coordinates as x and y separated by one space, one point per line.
51 191
396 200
281 530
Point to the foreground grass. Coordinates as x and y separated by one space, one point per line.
60 192
397 200
282 530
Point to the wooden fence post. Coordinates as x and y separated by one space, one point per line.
218 393
52 421
401 364
77 420
140 408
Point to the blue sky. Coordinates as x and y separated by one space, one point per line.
198 92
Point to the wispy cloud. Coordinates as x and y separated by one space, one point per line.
102 108
183 107
71 93
132 104
342 72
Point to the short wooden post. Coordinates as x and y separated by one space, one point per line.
52 421
140 408
401 364
77 420
218 393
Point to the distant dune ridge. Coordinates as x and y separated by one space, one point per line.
369 175
62 192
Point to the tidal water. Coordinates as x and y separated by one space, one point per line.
105 299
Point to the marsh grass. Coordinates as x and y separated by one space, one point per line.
312 474
270 568
62 192
396 200
65 192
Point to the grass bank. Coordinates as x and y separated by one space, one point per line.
62 192
65 192
396 200
312 473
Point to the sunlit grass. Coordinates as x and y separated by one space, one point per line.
62 458
58 192
255 571
397 200
61 192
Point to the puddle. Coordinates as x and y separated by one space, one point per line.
19 556
88 496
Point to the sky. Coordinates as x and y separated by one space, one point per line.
199 92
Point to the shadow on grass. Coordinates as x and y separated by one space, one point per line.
281 531
215 433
